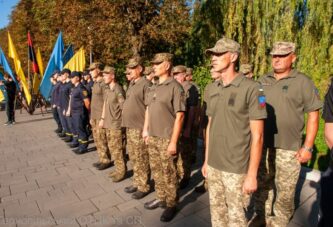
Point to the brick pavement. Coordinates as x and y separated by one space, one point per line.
43 183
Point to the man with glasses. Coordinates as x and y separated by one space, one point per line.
289 95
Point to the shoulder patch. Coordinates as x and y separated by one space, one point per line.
261 98
85 93
316 91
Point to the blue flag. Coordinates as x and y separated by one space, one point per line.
2 89
6 67
69 53
55 63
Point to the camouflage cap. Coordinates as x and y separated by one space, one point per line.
108 69
133 62
224 45
179 69
189 71
161 57
148 70
283 48
245 68
95 65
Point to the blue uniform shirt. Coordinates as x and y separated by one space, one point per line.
64 93
78 94
89 87
55 95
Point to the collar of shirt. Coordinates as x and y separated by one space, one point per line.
166 82
292 74
235 82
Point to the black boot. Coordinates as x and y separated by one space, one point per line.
169 214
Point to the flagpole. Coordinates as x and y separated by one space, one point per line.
29 79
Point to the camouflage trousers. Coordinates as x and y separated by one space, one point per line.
138 154
115 144
163 168
99 135
277 177
184 160
226 198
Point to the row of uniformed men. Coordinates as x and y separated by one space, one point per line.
155 111
254 140
237 114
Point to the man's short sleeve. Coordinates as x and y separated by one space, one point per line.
257 102
311 98
84 93
193 98
178 100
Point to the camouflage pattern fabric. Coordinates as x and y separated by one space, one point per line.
138 154
114 141
163 169
99 135
278 169
226 198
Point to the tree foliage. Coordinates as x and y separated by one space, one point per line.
257 24
114 30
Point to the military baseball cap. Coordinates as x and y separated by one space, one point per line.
108 69
95 65
133 62
148 70
66 71
245 68
161 57
189 71
179 69
74 74
224 45
283 48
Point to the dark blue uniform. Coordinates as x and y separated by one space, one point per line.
64 92
55 102
89 86
79 114
10 87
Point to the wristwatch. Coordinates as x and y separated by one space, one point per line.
309 149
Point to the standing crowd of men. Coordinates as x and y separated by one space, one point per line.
252 130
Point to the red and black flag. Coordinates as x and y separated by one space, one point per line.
32 56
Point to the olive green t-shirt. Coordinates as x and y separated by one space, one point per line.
191 94
164 101
288 99
97 99
134 105
114 99
231 109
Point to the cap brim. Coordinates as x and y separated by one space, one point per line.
215 51
280 53
131 66
155 62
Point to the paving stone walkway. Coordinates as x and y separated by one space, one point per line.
43 183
